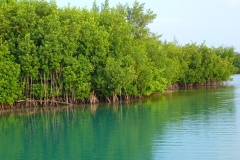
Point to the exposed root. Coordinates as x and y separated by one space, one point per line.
108 99
114 97
93 98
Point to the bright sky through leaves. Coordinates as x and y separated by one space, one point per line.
214 21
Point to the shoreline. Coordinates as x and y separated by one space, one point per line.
18 107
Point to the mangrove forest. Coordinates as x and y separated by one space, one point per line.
52 55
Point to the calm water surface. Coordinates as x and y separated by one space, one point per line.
187 124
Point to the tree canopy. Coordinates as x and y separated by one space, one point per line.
53 55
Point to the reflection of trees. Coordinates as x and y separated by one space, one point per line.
93 108
42 110
122 129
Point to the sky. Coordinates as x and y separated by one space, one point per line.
215 22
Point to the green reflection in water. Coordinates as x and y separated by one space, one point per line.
127 131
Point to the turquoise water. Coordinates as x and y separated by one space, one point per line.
200 123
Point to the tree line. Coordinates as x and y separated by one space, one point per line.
236 61
52 55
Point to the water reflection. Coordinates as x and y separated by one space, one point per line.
59 109
199 123
42 110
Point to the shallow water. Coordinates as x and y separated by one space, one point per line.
201 123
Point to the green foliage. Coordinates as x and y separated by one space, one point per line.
139 19
119 74
70 54
236 61
76 77
10 89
